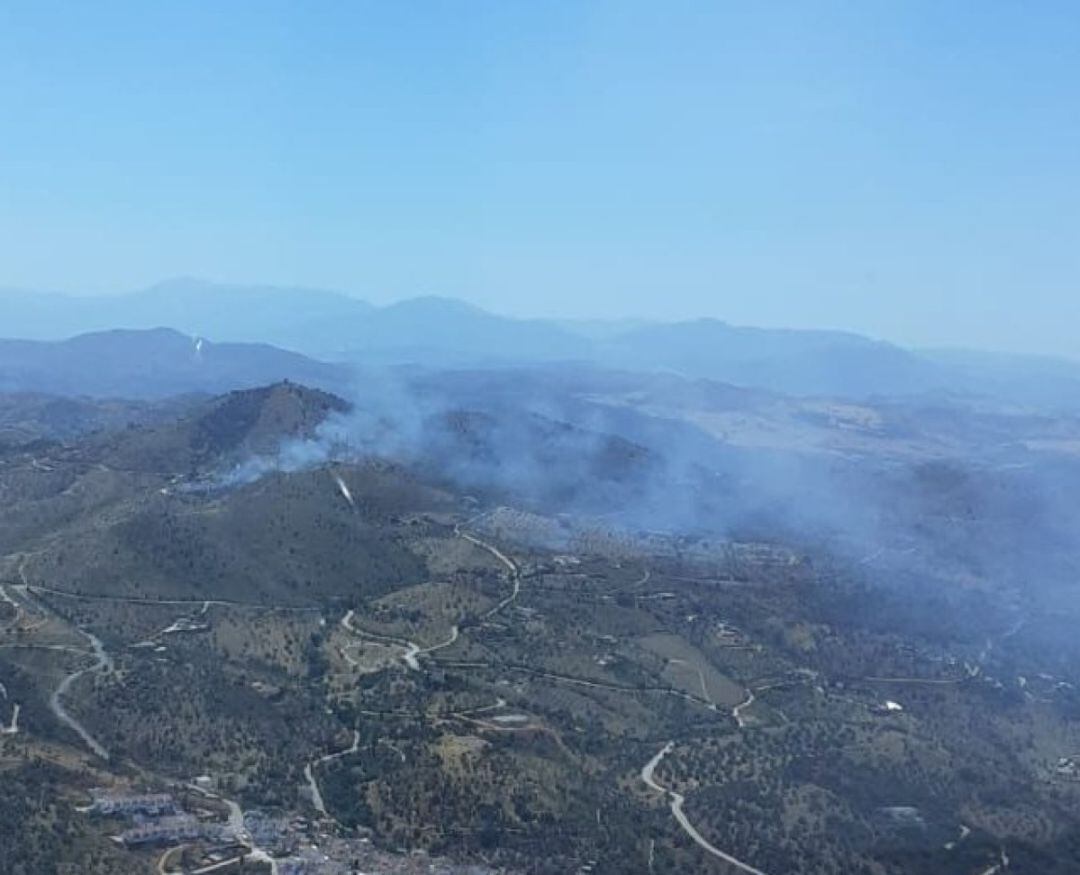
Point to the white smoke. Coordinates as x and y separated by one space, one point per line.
344 490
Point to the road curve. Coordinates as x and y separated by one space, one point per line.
309 773
102 662
451 638
736 712
648 772
412 649
511 567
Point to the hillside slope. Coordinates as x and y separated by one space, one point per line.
154 363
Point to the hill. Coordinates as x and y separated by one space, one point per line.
433 331
31 416
309 321
796 362
154 363
470 650
440 331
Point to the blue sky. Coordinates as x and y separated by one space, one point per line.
905 169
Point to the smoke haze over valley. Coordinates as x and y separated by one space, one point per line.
539 439
426 509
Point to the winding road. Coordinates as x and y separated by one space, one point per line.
412 649
736 712
102 662
648 773
309 773
235 825
511 567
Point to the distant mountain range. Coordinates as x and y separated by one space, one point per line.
322 324
156 363
440 332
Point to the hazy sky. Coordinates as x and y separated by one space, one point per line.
907 169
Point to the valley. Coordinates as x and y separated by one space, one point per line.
605 438
383 664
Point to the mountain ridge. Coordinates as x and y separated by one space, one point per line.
439 332
153 363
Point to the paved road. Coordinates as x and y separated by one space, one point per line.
648 773
309 773
102 662
412 649
236 824
236 827
736 712
511 567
